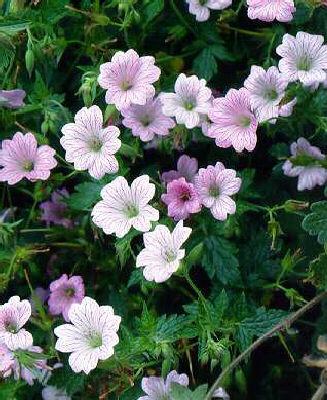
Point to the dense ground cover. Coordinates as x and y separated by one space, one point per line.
163 186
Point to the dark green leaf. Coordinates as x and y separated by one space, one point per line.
316 222
219 260
86 195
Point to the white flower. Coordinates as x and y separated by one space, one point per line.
90 146
53 393
162 253
304 58
91 336
267 89
13 316
125 206
201 8
189 103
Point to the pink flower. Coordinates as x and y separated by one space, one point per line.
54 210
304 58
128 79
181 199
147 120
234 122
311 174
89 145
13 316
215 185
12 98
33 369
63 293
189 102
269 10
21 158
159 389
187 168
201 8
266 89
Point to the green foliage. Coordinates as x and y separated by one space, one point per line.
318 271
179 392
316 222
220 261
257 325
85 196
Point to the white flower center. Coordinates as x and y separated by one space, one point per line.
304 63
95 144
95 340
131 211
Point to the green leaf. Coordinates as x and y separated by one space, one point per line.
123 247
11 28
205 65
316 222
179 392
318 271
86 195
152 9
258 325
219 260
7 52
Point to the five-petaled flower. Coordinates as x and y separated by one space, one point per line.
124 206
215 185
162 254
89 145
21 158
91 336
13 316
128 79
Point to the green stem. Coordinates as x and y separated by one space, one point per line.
30 215
181 18
243 31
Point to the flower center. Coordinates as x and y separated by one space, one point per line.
244 121
271 94
69 292
126 85
214 191
95 144
28 166
95 340
304 63
10 327
189 105
146 121
131 211
170 256
185 195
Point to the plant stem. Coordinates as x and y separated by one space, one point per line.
277 328
181 18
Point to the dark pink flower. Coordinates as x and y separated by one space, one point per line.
54 210
63 293
181 199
